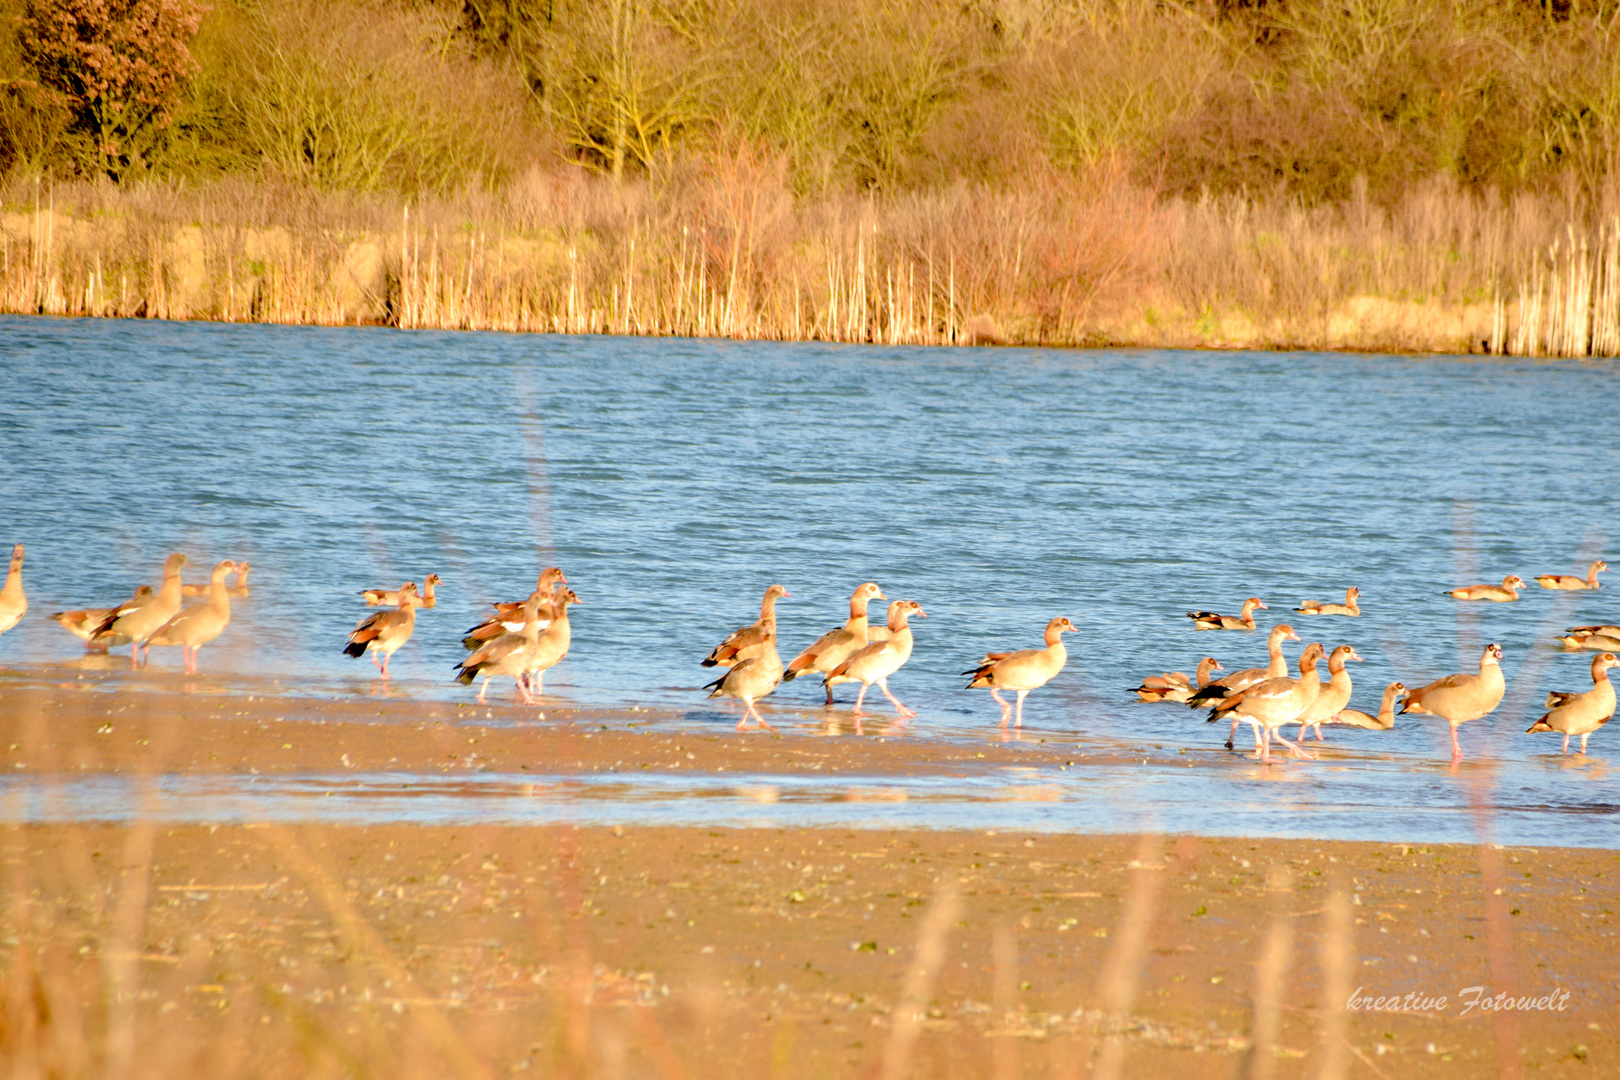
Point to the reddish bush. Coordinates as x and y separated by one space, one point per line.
120 66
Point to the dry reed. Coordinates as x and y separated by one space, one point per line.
727 252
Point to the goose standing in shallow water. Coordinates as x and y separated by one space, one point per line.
877 660
508 654
1581 714
748 642
1270 705
85 621
508 617
1209 620
1174 685
835 646
752 677
1457 699
1386 712
13 601
1231 684
390 597
1571 583
552 644
1505 593
1349 607
135 623
386 632
201 623
1331 698
1023 671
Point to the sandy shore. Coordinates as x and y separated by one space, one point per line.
421 950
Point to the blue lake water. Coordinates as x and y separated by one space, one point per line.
675 480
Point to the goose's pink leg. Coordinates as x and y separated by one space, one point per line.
861 697
883 684
1021 695
1456 747
483 687
1565 750
1006 708
1294 748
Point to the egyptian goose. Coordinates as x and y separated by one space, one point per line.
13 601
750 640
877 660
752 677
1333 696
1504 593
1386 712
1457 699
200 623
390 597
387 631
84 622
553 643
1349 607
1610 630
1173 685
1601 641
134 622
835 646
1247 677
237 591
1571 583
1581 714
1269 705
508 617
1025 670
1209 620
508 654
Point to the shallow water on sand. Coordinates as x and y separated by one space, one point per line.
674 480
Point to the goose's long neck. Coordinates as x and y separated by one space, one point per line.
13 587
1386 710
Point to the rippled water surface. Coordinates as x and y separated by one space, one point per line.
674 480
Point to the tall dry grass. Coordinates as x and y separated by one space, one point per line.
724 249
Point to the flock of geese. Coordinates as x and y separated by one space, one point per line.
523 639
1269 700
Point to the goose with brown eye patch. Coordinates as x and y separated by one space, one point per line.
1023 671
755 676
835 646
875 662
135 622
83 622
200 623
1173 685
1247 677
1504 593
386 632
1270 705
390 597
1333 697
1583 713
1350 607
749 642
1571 583
508 617
1209 620
1457 699
1386 712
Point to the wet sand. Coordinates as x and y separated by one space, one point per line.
641 950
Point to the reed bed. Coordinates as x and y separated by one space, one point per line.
726 251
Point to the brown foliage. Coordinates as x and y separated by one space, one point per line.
119 67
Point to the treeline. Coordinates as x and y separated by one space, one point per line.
1303 99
